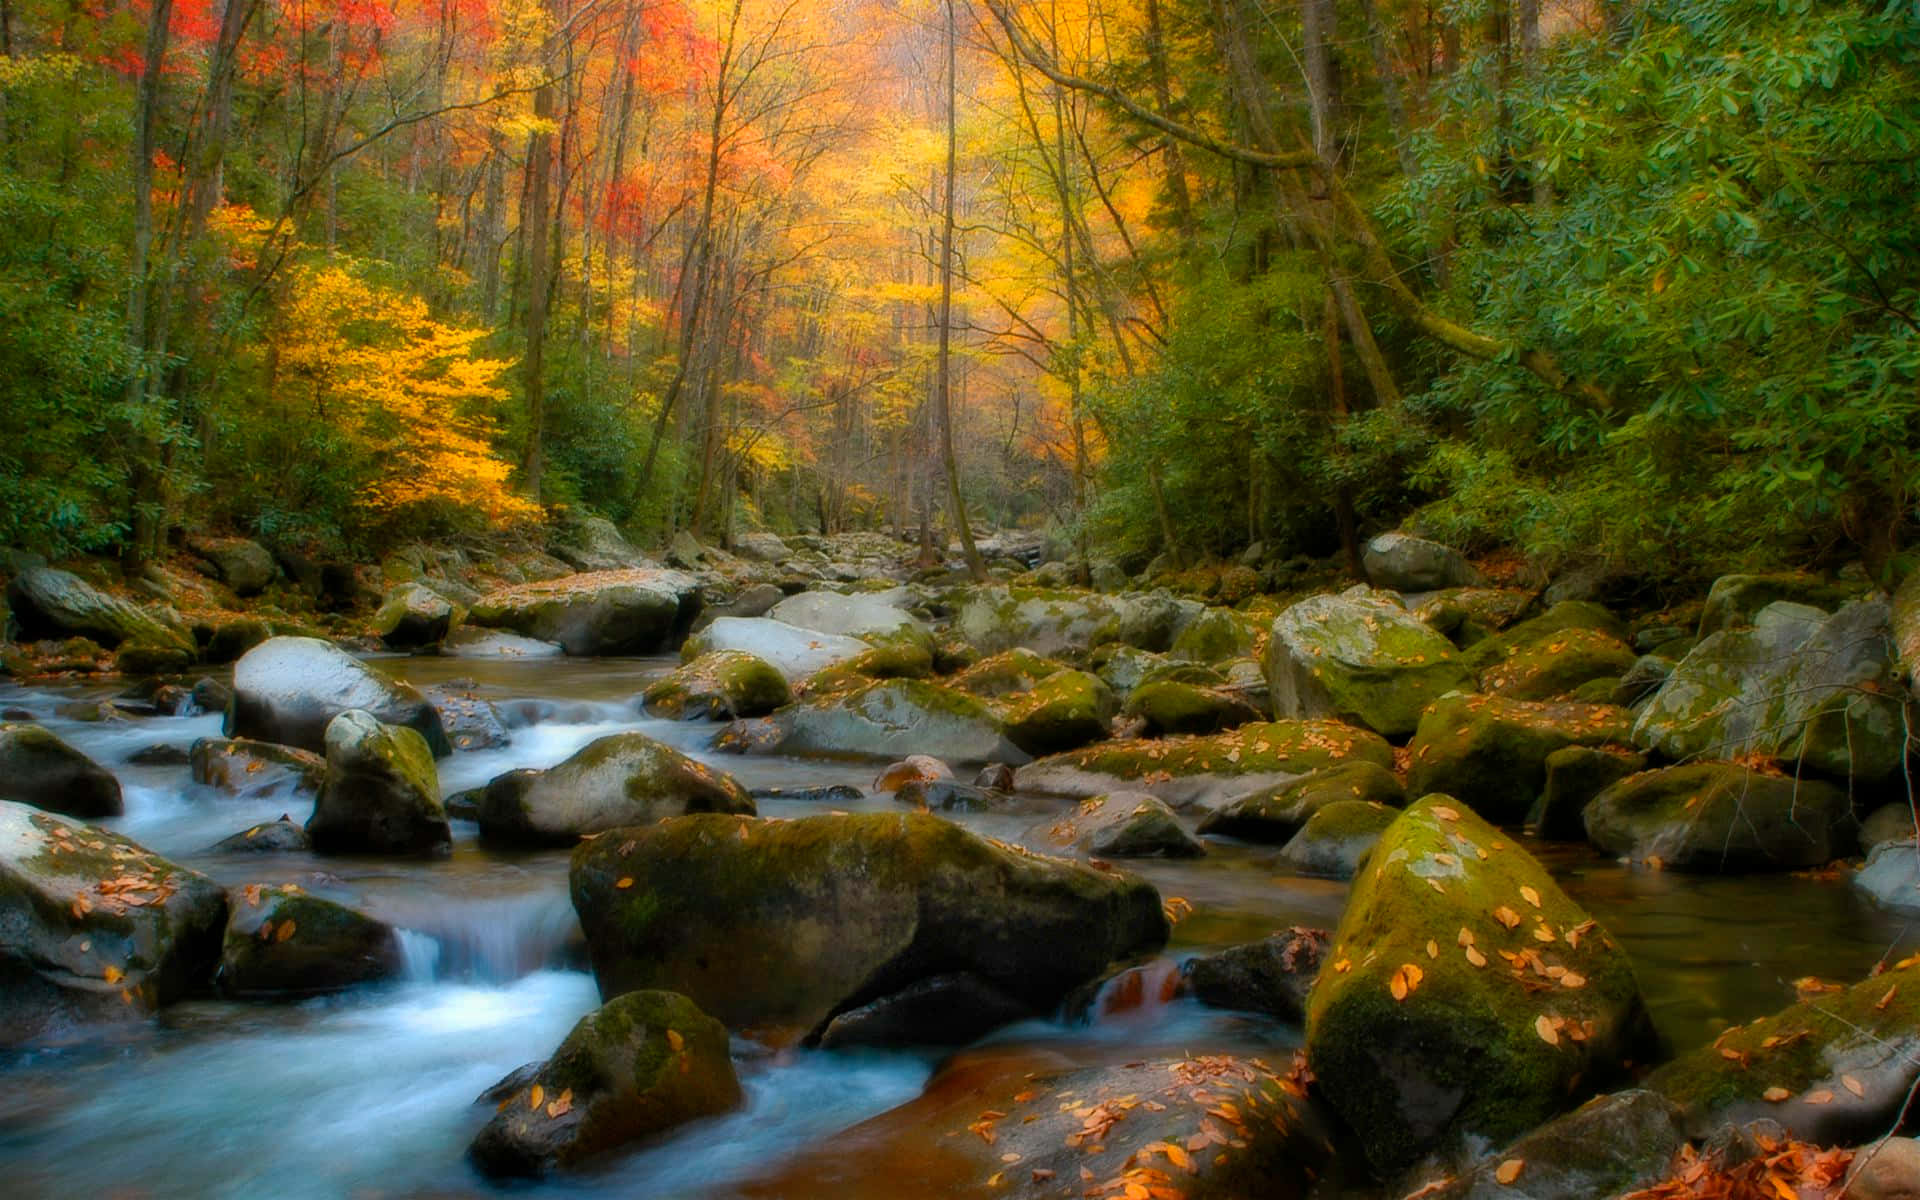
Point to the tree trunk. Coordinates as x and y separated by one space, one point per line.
537 245
943 387
147 515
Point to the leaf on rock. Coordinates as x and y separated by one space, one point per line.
1509 1171
1545 1027
535 1096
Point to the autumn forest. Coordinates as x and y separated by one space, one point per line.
877 599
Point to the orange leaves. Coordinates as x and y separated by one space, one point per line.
1176 909
1782 1171
1547 1029
1530 896
1406 978
113 974
624 882
560 1105
286 931
1775 1095
1506 916
676 1041
1509 1171
535 1096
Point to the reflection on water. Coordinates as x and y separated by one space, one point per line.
370 1094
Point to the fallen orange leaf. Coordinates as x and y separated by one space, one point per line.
1509 1170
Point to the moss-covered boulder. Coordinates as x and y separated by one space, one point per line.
898 657
1406 563
1467 616
638 1066
53 604
282 943
794 652
1064 711
1120 825
1206 772
1609 1146
1007 673
414 615
1830 698
37 768
868 616
1336 839
1055 624
779 926
1494 750
1736 601
1123 667
1465 995
244 767
1360 658
1835 1070
288 689
888 719
614 781
1562 618
640 611
1216 635
1717 816
1556 664
1168 707
1273 975
1273 815
1028 1125
719 685
1575 775
382 793
95 928
153 658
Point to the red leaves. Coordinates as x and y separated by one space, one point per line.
1783 1171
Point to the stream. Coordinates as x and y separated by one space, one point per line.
371 1093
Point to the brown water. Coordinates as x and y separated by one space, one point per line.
370 1094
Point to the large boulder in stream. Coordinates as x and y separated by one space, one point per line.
94 927
1068 624
1556 664
864 615
1609 1146
1335 841
284 944
1273 975
37 768
414 615
1361 658
1493 750
1823 693
638 1066
1065 710
1715 816
1205 772
621 779
1169 706
719 685
779 926
1465 995
382 793
1040 1124
54 604
1834 1070
640 611
886 719
794 652
1276 814
289 689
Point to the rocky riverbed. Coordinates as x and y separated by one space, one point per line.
803 874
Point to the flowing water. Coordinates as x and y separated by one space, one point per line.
371 1093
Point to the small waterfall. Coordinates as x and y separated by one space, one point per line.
1137 993
494 940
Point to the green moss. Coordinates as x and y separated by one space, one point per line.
1006 673
721 683
1562 617
1492 751
1066 709
1555 664
1169 707
1258 748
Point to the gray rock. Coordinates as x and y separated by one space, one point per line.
1889 823
595 544
759 545
1575 775
1405 563
1735 601
467 642
1275 814
1121 825
289 689
412 616
619 780
39 769
796 653
1613 1144
47 603
944 1010
1337 839
719 685
1272 976
1891 877
244 767
242 565
862 615
471 723
639 611
1885 1170
284 944
382 793
887 719
273 837
1722 817
1360 658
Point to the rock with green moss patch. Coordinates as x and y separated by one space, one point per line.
720 685
1056 624
1360 658
1717 816
288 689
1736 601
1169 707
1123 667
1828 697
868 616
1336 839
1564 617
1844 1065
1406 563
1120 825
1494 750
639 611
794 652
638 1066
231 639
1216 635
1523 1006
94 927
52 604
153 658
897 657
779 926
1007 673
1274 815
1575 775
1555 664
1609 1146
39 769
622 779
1468 616
1206 772
1066 710
1273 975
382 793
282 943
887 719
244 767
414 615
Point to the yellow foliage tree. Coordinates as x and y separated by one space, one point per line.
407 388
